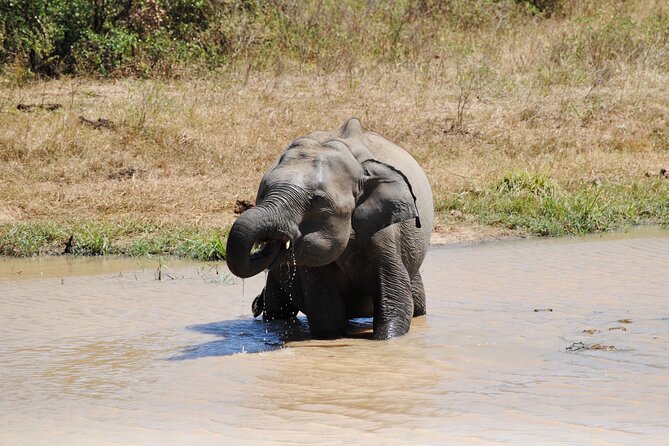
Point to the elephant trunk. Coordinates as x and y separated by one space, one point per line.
255 228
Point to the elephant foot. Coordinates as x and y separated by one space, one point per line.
390 329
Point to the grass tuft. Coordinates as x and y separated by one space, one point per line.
537 204
103 238
28 239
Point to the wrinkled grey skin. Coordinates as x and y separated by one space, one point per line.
357 212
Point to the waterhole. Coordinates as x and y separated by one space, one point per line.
99 352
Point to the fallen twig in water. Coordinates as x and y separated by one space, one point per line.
221 277
164 271
577 346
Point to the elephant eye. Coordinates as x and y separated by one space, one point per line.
318 200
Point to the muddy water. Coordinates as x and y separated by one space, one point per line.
99 352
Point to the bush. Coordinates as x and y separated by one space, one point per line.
152 37
51 37
41 32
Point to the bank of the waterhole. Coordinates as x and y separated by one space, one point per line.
519 203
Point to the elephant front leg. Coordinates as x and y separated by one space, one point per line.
274 302
323 302
393 305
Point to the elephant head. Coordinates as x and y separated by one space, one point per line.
312 202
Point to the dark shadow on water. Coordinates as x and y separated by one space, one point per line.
250 335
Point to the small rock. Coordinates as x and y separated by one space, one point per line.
602 347
591 331
101 123
456 213
664 173
576 346
596 182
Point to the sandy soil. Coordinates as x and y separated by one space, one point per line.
449 234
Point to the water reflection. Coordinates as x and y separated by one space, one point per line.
246 335
250 335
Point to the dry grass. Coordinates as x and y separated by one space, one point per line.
509 100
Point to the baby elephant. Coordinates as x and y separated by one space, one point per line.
342 221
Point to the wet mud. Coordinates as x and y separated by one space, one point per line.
100 352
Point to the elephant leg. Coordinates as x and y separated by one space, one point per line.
274 302
393 305
323 302
418 294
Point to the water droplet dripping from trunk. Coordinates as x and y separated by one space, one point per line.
292 271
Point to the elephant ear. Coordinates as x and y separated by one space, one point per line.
386 198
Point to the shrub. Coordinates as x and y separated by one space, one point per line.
50 37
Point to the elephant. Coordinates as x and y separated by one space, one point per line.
342 223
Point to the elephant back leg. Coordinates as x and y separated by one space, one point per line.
418 294
274 302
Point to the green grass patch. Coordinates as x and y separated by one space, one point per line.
103 238
538 204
